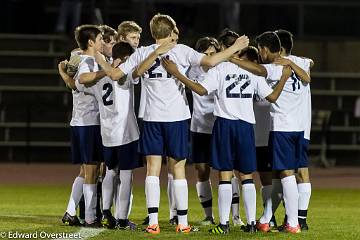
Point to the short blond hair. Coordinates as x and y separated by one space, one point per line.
161 26
127 27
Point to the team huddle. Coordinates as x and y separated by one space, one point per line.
233 84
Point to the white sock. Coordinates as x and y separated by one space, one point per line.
75 196
276 195
204 192
89 191
152 192
235 197
181 200
291 199
224 201
108 188
266 196
170 194
123 202
130 204
249 198
304 199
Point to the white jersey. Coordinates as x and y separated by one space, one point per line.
202 120
262 126
306 113
287 112
165 96
142 101
85 107
234 88
116 106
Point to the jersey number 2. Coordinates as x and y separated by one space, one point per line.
151 70
230 94
108 88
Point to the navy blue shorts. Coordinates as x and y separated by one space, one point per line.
86 144
263 159
304 155
285 149
165 139
233 146
124 156
200 147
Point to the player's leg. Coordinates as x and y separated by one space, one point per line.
108 193
90 192
173 219
201 154
304 188
235 203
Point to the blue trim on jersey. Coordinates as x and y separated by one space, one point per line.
233 146
165 139
285 149
86 144
124 156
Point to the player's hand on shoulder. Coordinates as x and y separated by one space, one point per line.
62 66
99 57
169 66
287 71
282 61
242 42
165 46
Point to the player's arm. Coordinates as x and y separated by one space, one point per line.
252 67
91 77
171 68
286 73
69 81
301 73
114 73
149 61
210 61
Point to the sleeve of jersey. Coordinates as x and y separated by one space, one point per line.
273 72
131 62
262 88
211 80
193 56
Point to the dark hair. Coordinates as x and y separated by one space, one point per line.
227 37
84 33
269 40
286 40
251 52
204 43
108 32
122 50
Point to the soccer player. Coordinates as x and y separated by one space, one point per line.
303 179
233 145
202 122
85 129
166 112
285 140
119 132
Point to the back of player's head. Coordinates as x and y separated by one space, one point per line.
204 43
270 40
108 33
127 27
251 53
161 26
227 38
122 50
286 40
84 33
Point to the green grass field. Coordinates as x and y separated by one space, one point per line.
333 214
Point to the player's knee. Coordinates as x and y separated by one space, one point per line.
303 175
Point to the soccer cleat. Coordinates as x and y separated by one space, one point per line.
174 221
250 228
237 222
108 220
70 220
273 224
125 224
220 229
290 229
262 227
95 224
304 227
207 221
153 229
146 221
183 229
